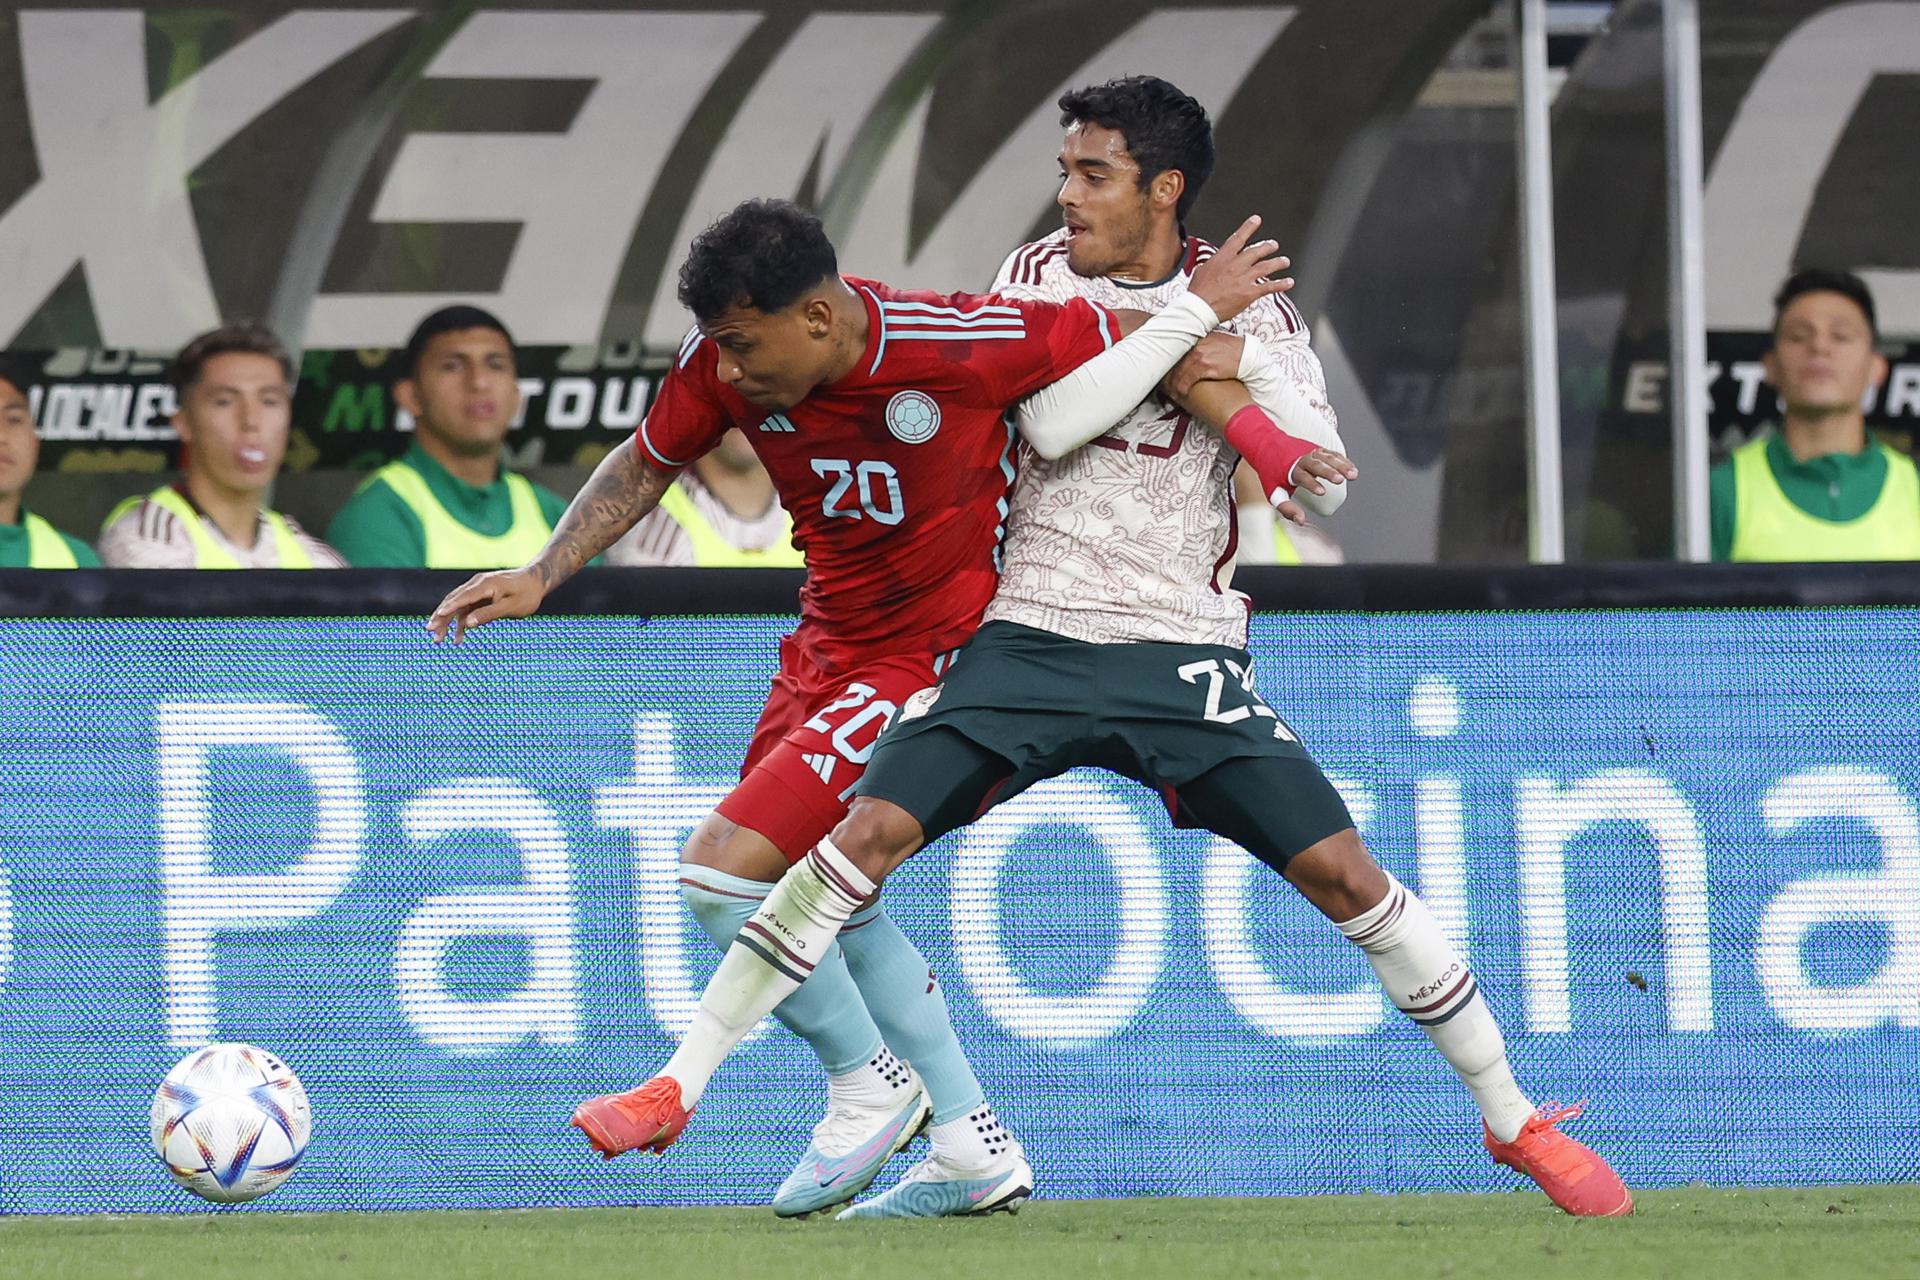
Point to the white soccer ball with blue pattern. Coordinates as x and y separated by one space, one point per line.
231 1121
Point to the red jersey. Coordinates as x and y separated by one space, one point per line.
897 475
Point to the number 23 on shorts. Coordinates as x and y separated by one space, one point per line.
1208 672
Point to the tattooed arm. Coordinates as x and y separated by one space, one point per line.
622 489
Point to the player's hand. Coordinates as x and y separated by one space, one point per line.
1313 474
1240 272
505 593
1215 359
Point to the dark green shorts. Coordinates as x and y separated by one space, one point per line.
1020 705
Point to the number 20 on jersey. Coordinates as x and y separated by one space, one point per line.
861 491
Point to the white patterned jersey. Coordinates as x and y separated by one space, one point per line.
148 536
1132 536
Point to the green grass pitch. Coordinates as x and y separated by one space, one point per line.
1691 1233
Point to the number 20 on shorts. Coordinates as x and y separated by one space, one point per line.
877 712
1209 669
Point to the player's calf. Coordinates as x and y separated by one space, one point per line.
1339 877
827 1011
770 957
904 995
1427 979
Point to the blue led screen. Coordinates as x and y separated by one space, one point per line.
1682 850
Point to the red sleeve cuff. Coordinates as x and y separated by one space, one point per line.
1268 449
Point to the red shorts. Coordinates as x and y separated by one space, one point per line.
813 740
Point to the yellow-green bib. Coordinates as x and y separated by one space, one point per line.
46 549
208 554
1767 526
711 551
1284 552
452 545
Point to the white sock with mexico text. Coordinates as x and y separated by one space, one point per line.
770 957
1428 980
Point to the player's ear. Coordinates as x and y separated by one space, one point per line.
818 314
1166 188
406 394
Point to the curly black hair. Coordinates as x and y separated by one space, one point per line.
1824 280
1164 128
764 254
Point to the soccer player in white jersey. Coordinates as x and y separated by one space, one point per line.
1115 640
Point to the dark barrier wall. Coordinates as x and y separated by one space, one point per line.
1681 846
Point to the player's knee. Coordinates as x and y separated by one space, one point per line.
718 915
877 836
1339 876
729 847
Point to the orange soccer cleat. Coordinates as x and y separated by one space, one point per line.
645 1119
1571 1173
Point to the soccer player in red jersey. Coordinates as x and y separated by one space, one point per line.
881 415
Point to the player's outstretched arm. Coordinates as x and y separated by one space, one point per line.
617 496
621 490
1227 357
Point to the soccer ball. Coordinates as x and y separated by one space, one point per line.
231 1121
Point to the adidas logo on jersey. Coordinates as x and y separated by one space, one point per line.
777 422
821 764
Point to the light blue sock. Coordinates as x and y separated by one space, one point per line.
904 996
827 1011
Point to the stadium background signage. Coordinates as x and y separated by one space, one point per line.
493 156
1800 100
1681 848
339 171
579 401
576 402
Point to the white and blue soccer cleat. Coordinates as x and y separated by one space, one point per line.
935 1189
850 1146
